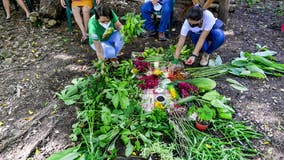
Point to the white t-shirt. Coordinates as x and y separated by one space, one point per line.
208 23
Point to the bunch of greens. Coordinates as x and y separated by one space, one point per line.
194 144
256 65
133 27
165 55
111 112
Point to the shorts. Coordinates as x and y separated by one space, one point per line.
82 3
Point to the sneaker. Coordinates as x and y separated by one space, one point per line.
162 36
204 60
148 34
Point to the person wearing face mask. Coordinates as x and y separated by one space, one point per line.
105 37
205 32
148 8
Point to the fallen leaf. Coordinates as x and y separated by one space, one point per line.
37 151
27 118
33 51
266 142
4 105
53 112
31 112
1 123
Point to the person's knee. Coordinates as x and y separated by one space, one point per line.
218 35
109 52
86 10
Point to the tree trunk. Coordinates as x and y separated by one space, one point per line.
51 8
224 10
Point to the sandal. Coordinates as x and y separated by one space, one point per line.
114 62
191 59
84 39
204 60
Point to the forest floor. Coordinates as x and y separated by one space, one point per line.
35 63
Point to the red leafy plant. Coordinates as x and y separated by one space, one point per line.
141 65
149 82
186 89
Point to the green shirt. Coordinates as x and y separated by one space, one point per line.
96 30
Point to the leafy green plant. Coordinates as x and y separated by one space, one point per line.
133 26
205 113
165 151
194 144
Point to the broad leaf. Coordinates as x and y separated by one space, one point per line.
68 154
218 61
115 100
124 102
219 104
265 53
235 84
129 149
106 116
211 95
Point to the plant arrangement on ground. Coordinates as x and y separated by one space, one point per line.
111 116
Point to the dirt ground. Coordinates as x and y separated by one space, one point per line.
35 63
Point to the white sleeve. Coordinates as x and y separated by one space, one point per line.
209 20
185 28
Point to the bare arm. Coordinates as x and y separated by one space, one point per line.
99 50
207 4
118 26
200 42
179 46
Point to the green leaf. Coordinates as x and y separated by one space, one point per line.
239 62
145 139
105 129
106 116
254 68
68 154
219 104
265 53
125 139
129 149
218 61
124 102
137 145
240 88
115 100
211 95
235 84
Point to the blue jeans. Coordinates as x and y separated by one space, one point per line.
213 41
147 10
112 46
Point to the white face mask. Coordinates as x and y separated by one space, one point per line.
157 7
105 25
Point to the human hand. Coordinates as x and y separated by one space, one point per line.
98 2
63 4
